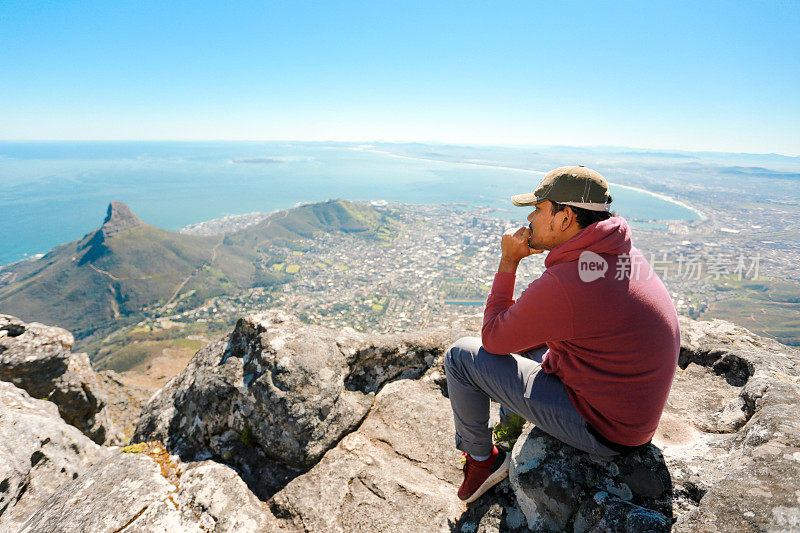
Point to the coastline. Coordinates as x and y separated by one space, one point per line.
430 160
660 196
664 197
41 244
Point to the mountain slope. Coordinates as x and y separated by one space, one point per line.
106 276
306 219
125 269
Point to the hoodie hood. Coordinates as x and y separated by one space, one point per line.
611 236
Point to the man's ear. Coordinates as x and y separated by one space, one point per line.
568 216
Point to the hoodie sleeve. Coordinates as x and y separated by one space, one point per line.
542 313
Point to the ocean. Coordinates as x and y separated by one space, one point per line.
55 192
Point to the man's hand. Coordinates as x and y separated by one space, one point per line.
515 244
514 247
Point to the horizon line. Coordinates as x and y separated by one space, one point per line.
400 142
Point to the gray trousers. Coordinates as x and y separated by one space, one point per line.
518 383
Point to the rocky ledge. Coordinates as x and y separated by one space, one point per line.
144 488
39 453
38 359
731 434
284 426
275 395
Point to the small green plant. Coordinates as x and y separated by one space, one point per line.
247 436
510 431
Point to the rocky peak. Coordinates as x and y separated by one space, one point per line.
119 217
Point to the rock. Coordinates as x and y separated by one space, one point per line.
559 488
605 512
398 472
39 452
37 358
730 433
733 351
149 490
273 396
749 480
33 356
497 510
342 431
119 217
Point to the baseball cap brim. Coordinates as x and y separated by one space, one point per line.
522 200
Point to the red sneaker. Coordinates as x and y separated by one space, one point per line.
480 476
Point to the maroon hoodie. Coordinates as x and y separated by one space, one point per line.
613 340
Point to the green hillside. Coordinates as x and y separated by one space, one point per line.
304 220
127 269
106 278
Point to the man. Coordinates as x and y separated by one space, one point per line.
598 328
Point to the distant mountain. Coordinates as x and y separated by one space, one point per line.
114 275
760 172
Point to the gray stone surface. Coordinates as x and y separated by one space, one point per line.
497 510
152 491
398 472
273 396
37 358
606 512
731 433
559 488
39 452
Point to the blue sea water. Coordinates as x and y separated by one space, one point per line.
55 192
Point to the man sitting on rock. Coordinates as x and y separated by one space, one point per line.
597 331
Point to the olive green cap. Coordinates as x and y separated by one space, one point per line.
577 186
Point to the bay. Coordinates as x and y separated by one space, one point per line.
55 192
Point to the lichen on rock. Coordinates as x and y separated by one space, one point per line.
560 488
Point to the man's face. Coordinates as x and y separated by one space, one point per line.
543 236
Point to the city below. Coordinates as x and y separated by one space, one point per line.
435 264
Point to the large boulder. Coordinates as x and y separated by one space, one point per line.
398 472
730 433
273 396
559 488
38 358
39 452
144 489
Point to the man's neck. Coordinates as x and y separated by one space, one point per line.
569 233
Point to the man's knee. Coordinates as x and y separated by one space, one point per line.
461 351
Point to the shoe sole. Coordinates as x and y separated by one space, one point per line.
497 476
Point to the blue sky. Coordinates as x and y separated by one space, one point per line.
674 75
